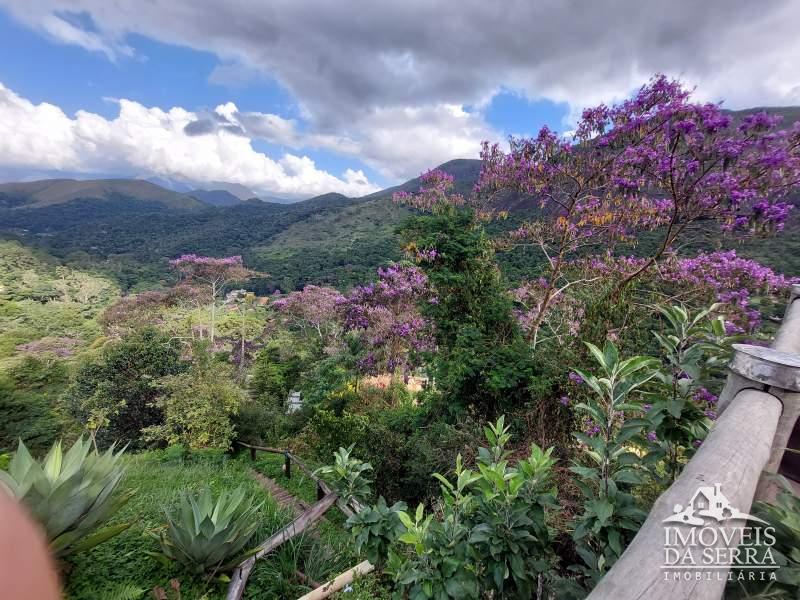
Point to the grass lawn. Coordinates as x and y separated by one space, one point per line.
158 480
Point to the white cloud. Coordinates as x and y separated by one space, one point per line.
399 142
150 140
378 80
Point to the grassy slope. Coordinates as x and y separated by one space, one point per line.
158 483
39 300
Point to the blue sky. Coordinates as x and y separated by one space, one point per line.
167 75
300 97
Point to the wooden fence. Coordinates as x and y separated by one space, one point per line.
758 411
326 498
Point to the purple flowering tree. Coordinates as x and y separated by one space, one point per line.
722 277
657 160
385 315
315 311
212 275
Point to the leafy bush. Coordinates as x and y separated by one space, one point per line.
609 468
27 394
198 407
695 348
376 528
492 536
334 432
71 495
207 535
784 516
346 476
120 390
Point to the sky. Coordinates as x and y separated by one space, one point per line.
294 98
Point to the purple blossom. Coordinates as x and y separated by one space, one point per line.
385 315
703 395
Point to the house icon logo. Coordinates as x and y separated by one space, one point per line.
708 503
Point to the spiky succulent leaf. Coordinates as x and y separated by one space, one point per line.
206 534
70 494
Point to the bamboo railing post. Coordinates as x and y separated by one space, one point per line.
733 455
778 373
758 410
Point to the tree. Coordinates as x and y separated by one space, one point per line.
119 390
488 538
657 160
198 405
482 359
213 274
385 315
315 312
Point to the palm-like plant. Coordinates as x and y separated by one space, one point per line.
71 495
207 535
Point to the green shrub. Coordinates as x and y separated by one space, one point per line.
206 535
71 495
198 410
608 469
784 517
261 424
346 476
27 399
334 432
489 536
122 388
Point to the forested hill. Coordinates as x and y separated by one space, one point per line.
129 229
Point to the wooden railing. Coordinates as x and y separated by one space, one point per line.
758 410
326 498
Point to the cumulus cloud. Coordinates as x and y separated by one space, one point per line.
388 80
398 141
144 139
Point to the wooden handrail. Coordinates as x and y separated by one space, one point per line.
261 448
758 409
299 525
352 507
733 455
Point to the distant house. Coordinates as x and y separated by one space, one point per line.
294 402
413 383
234 296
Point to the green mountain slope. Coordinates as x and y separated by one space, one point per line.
49 192
130 229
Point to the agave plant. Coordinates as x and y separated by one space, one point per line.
205 535
71 495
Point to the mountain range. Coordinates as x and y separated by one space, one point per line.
129 228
